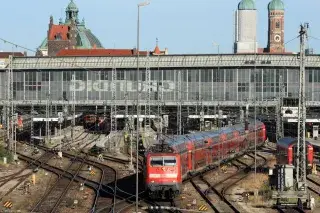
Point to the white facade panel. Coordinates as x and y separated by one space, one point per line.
246 31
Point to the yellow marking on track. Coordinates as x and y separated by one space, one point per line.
203 208
7 204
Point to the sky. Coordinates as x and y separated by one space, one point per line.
183 26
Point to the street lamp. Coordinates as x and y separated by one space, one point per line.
138 106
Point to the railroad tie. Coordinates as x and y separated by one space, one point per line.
7 204
203 208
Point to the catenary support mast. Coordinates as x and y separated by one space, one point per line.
113 108
280 133
301 144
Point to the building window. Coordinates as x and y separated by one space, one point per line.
277 24
243 87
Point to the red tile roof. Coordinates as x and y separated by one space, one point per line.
6 54
99 52
156 51
55 30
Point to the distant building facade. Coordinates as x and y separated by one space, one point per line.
4 57
246 27
71 34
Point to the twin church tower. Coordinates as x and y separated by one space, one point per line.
246 28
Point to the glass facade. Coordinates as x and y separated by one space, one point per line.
207 84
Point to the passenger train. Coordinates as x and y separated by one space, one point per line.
287 149
169 163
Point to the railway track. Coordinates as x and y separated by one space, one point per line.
104 188
217 191
314 185
290 210
50 201
21 178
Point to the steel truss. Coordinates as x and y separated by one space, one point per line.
113 106
179 104
165 61
148 80
280 129
301 144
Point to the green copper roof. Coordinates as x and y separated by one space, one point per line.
72 6
276 5
247 5
44 44
85 38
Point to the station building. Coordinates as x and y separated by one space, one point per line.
226 80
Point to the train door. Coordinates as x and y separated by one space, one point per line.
190 148
222 147
184 163
208 150
199 157
236 141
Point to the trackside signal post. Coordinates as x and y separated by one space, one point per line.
301 173
297 188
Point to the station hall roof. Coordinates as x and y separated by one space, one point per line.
165 61
100 52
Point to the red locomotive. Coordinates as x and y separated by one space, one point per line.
169 163
95 123
287 149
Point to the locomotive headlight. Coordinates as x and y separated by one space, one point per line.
174 181
152 181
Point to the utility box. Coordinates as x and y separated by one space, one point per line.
208 125
285 179
315 132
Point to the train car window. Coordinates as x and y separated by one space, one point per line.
169 161
156 161
163 161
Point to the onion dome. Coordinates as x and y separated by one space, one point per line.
276 5
72 7
247 5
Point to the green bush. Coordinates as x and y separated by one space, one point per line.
5 153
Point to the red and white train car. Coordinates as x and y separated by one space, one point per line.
168 164
287 149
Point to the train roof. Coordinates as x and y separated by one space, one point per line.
176 141
288 141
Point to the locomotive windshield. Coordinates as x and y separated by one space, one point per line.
163 161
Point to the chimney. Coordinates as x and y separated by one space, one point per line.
25 53
166 52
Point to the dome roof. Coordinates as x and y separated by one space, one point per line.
72 6
247 5
85 40
276 5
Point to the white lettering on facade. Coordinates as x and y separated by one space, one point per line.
104 85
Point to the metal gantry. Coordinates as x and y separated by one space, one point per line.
10 123
148 80
201 114
179 111
279 116
73 98
47 118
113 105
32 127
301 144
